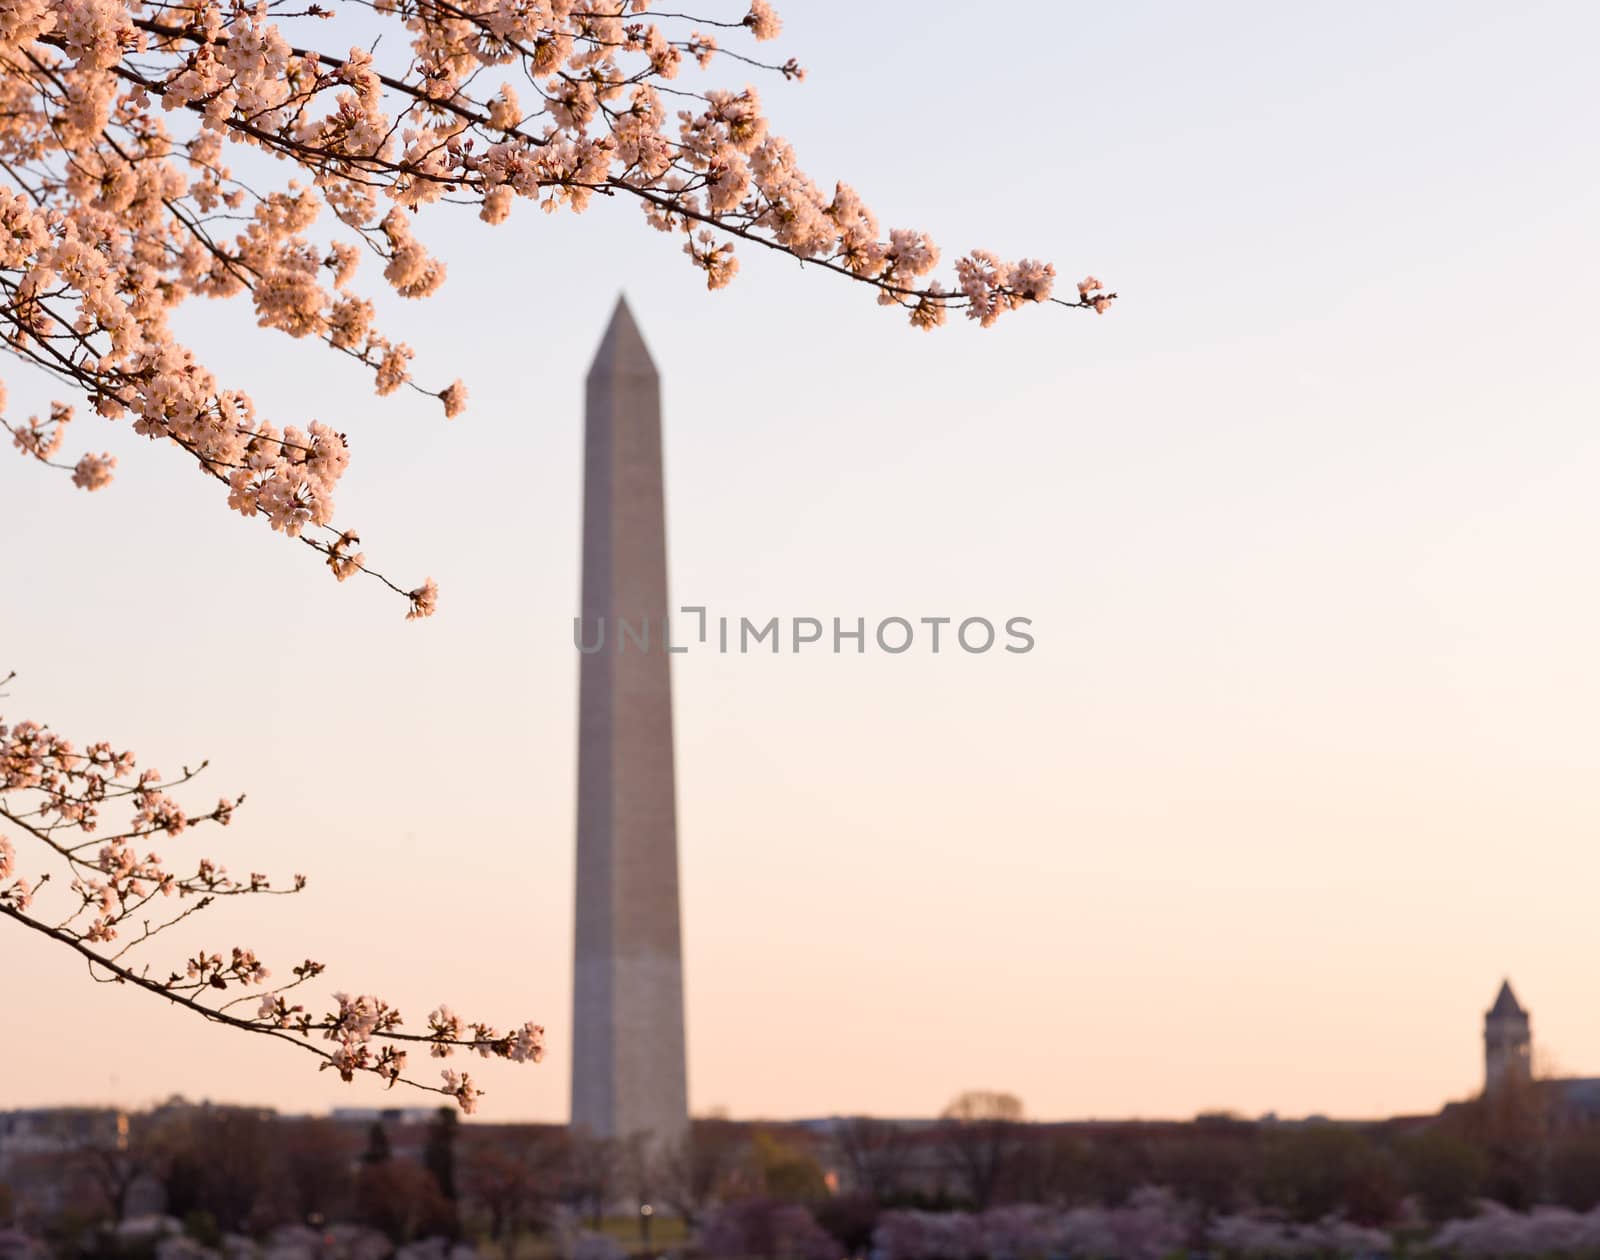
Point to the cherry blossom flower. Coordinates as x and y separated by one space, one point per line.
93 472
424 600
460 1084
762 21
454 399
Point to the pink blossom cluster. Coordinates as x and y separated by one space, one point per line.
1151 1225
764 1227
123 121
1154 1224
1263 1236
1498 1232
93 816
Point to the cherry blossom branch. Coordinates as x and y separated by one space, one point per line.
48 787
118 202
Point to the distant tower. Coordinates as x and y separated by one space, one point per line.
1507 1041
628 1074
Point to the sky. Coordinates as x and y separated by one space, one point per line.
1304 760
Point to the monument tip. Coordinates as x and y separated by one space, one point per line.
622 350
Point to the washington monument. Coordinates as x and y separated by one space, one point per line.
628 1073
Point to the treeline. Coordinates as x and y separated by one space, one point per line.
234 1171
735 1188
1520 1148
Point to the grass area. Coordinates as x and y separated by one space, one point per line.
665 1232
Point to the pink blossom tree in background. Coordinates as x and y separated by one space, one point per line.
124 126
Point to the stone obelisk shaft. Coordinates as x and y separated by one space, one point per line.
628 1071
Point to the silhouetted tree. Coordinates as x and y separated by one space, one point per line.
1204 1167
874 1154
377 1151
706 1166
787 1172
1325 1169
1575 1170
1055 1167
981 1141
1511 1126
403 1200
439 1156
502 1180
313 1169
216 1162
1445 1171
117 1163
593 1171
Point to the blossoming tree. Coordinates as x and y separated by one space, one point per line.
152 151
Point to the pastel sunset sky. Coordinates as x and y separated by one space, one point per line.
1306 758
